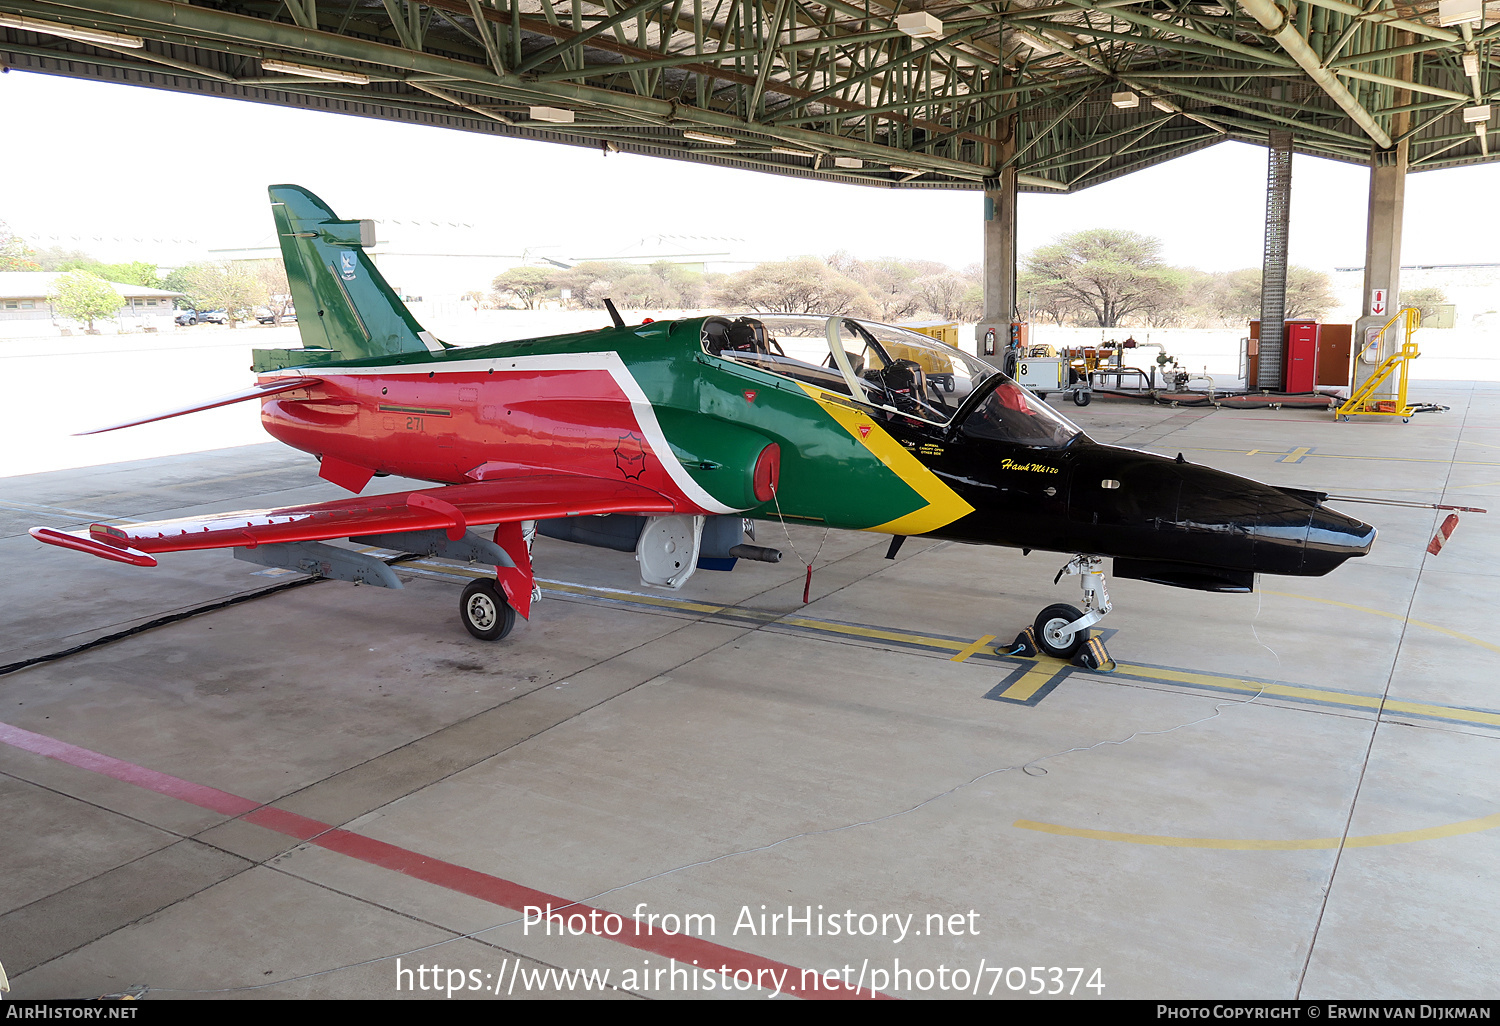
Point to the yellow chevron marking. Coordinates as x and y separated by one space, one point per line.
943 504
1467 826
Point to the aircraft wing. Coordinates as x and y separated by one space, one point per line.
453 508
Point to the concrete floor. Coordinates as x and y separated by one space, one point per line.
285 796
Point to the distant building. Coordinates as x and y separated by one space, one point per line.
1473 289
23 297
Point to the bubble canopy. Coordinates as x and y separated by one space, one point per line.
902 374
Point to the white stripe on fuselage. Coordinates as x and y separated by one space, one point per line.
645 413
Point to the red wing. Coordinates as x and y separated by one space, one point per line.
454 508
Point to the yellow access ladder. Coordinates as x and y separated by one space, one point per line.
1361 404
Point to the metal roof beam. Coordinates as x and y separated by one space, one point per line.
547 53
675 60
1235 104
1178 45
1398 83
1146 21
1269 14
1356 11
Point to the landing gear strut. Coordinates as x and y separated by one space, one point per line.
1061 630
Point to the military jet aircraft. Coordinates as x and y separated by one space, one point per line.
667 438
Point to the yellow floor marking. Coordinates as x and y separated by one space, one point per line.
1446 712
1468 826
872 632
630 596
1045 668
1342 456
1389 616
1032 680
978 644
1295 455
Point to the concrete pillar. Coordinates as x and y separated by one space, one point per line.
1000 241
1383 238
1382 257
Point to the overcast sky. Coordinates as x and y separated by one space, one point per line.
104 162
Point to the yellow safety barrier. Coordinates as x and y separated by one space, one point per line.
1361 403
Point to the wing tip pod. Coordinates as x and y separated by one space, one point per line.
93 546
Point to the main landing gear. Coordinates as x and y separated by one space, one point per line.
485 612
1062 630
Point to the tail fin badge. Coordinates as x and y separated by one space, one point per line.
347 264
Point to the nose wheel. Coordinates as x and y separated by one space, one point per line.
1054 632
1062 630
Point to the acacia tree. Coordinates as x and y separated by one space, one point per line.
1108 272
271 274
804 285
1426 301
1309 294
231 287
525 283
83 296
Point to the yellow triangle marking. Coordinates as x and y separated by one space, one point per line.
944 506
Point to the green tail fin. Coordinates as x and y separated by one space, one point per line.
345 309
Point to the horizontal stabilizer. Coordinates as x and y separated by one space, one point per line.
257 392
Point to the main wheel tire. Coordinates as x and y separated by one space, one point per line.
1052 618
1081 398
485 612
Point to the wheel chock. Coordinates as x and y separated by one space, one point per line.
1024 645
1092 656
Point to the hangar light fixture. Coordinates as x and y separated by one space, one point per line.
556 115
850 162
1162 105
1473 115
312 71
709 137
1460 12
919 25
86 35
899 169
787 151
1125 100
1471 64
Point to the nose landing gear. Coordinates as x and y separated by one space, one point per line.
1061 630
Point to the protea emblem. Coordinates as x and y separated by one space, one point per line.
630 456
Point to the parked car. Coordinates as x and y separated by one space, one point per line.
213 316
266 316
186 317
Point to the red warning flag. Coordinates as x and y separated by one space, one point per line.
1443 534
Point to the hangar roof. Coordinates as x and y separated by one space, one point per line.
876 92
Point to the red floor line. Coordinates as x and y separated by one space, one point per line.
162 783
691 951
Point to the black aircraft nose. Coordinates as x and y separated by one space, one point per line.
1290 530
1333 537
